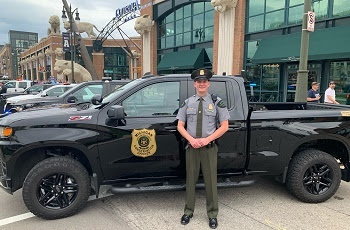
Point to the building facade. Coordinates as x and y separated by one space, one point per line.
187 35
272 47
10 54
37 63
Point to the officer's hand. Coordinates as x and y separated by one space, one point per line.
195 143
203 141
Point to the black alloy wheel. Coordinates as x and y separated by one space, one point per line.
313 176
318 179
57 191
56 187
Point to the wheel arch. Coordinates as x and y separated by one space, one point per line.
29 156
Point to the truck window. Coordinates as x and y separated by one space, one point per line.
86 93
22 85
154 100
10 84
219 88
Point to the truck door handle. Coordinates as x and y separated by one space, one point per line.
171 128
234 127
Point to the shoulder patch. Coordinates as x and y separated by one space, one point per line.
221 104
183 104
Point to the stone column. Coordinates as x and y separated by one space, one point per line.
99 63
48 54
42 64
143 26
226 35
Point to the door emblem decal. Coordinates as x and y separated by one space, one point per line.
143 142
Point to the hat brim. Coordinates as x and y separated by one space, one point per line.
200 78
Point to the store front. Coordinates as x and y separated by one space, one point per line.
272 50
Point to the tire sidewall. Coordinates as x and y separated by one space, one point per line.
49 167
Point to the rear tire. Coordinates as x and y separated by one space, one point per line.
313 176
55 188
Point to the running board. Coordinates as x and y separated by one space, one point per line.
163 188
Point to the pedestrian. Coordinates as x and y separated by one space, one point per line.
202 113
3 88
329 96
313 95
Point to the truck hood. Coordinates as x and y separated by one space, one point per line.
16 99
56 114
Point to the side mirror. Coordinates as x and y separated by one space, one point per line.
71 99
116 112
96 99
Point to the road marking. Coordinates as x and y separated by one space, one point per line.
14 219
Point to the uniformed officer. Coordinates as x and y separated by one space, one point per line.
202 116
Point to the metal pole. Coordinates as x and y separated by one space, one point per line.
70 16
302 78
84 53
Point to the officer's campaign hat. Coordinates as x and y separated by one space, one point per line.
201 74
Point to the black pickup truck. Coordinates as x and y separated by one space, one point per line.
128 142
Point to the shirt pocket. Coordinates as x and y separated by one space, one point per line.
191 115
211 116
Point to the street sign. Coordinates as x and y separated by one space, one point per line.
66 41
311 18
108 71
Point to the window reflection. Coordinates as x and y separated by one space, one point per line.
341 8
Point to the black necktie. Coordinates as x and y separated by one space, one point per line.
199 118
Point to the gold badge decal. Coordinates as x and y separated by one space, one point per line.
345 113
143 142
201 72
210 107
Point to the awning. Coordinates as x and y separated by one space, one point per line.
330 43
187 59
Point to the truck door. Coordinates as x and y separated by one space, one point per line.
150 112
231 154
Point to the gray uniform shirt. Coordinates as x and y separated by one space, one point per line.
212 113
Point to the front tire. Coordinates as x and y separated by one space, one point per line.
313 176
55 188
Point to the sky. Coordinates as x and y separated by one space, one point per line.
33 15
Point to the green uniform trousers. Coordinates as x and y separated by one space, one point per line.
207 159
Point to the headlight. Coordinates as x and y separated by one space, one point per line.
19 108
5 131
29 105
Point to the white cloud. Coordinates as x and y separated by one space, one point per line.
33 15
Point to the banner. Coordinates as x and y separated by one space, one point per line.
66 41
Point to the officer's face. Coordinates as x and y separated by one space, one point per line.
201 85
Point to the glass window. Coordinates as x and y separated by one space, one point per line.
170 41
170 18
55 92
256 23
187 24
320 8
187 11
162 43
274 5
198 8
209 18
187 38
179 13
252 47
208 34
256 7
295 2
179 26
22 85
198 35
274 20
341 8
169 29
10 85
219 88
198 21
296 15
154 100
86 93
179 38
340 73
162 30
208 6
270 77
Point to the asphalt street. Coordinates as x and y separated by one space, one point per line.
265 205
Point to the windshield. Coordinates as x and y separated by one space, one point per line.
112 96
34 88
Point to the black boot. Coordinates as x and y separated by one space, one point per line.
185 219
213 223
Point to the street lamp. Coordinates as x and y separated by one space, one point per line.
72 33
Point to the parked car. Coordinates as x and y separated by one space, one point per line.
82 93
18 86
128 142
54 91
